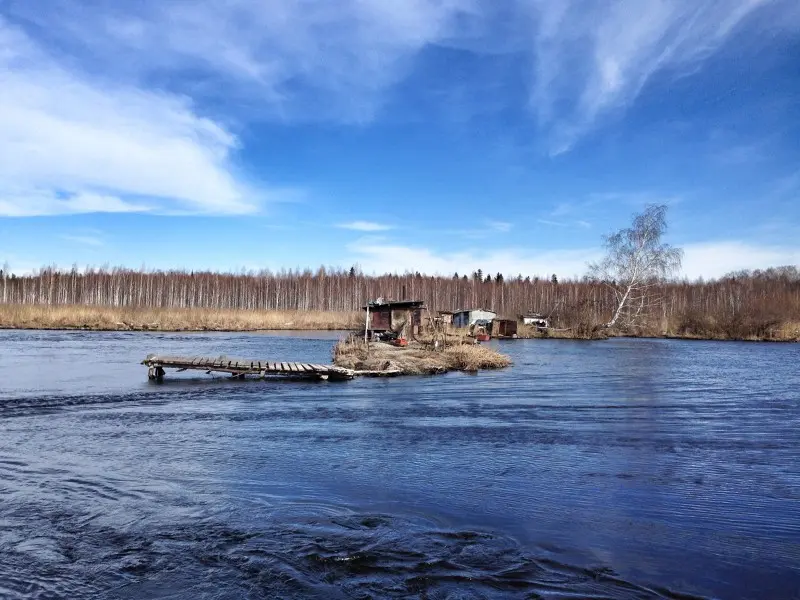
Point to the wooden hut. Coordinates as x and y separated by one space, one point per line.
504 328
402 318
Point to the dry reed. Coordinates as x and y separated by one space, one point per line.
103 318
416 359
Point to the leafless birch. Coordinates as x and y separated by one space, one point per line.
636 261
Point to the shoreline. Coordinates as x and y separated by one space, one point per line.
89 328
200 320
662 336
665 336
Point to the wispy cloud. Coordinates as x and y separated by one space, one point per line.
364 226
635 199
288 59
500 226
382 257
43 203
292 60
70 144
715 259
551 223
586 211
594 59
85 240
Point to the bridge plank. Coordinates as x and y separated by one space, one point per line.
242 366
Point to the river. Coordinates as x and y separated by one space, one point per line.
612 469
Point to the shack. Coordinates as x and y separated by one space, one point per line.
445 317
535 319
504 328
467 318
402 318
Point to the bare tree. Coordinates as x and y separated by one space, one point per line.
759 303
636 261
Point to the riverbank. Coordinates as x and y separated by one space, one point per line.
783 332
104 318
416 358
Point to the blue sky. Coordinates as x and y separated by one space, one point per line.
429 135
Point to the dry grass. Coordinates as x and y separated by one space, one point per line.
104 318
790 330
416 359
528 332
474 357
748 327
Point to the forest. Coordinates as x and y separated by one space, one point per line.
742 305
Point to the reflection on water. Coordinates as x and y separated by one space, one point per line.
619 469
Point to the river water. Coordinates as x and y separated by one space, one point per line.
615 469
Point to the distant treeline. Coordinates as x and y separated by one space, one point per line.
740 305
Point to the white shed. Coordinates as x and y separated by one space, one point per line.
535 319
465 318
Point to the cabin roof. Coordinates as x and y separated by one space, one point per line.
393 304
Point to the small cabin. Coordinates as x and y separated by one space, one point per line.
504 328
535 319
445 317
401 317
467 318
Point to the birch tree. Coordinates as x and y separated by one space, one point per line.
636 261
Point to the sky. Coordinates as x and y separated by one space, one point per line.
437 136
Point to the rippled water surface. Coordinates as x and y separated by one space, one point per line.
617 469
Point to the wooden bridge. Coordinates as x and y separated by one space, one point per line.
241 368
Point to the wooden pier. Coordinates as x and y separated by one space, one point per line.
242 368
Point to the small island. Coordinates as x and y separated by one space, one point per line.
397 339
416 358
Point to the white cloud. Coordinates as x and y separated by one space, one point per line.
378 257
364 226
42 203
85 240
708 260
715 259
500 226
302 60
594 58
291 59
552 223
70 144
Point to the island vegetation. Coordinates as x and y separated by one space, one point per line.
418 358
634 291
142 318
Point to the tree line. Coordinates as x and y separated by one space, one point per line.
632 289
745 300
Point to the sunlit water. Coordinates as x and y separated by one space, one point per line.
616 469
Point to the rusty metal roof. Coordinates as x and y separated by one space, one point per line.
394 304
